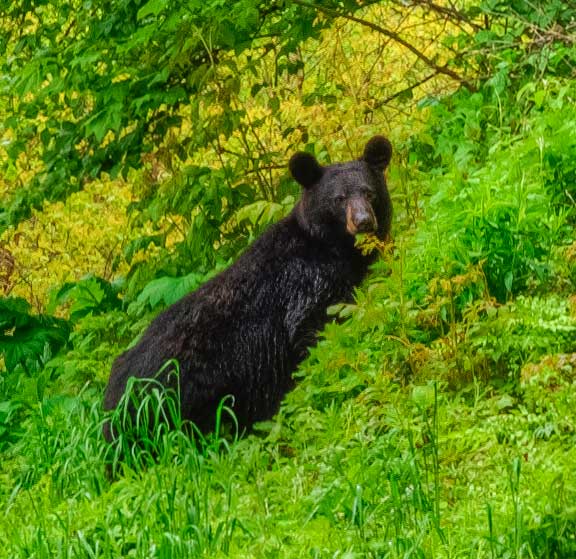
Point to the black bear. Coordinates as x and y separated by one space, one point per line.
245 331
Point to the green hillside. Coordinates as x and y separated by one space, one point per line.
144 145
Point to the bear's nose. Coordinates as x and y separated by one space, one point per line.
360 217
364 223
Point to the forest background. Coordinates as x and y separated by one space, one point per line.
143 146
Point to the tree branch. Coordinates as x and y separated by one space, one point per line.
451 13
401 92
395 37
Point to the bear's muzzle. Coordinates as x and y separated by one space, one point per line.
360 217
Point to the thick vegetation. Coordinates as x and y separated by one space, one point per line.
144 145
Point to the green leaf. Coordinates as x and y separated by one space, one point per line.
11 310
261 212
87 297
508 280
91 295
168 290
97 125
151 8
26 339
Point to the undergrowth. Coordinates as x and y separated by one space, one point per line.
435 417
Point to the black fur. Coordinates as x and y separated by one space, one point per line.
245 331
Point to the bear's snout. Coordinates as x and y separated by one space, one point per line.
360 217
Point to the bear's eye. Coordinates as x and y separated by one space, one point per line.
340 198
369 194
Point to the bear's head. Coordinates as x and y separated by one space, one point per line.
345 199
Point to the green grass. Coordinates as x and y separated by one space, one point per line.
355 466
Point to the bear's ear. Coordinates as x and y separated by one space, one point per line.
305 169
378 152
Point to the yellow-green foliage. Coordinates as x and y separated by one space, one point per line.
67 240
354 67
